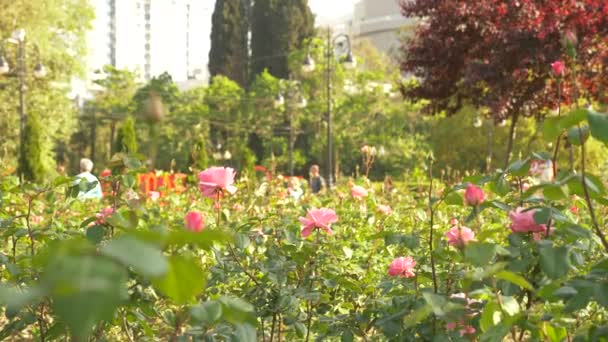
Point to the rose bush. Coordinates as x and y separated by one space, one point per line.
230 258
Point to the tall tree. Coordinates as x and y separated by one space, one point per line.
497 53
55 36
33 165
229 40
278 28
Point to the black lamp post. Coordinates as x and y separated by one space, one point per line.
18 38
349 62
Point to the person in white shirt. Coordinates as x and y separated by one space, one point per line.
86 166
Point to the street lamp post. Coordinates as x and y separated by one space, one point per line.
18 38
309 66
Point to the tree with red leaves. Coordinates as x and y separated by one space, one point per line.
497 54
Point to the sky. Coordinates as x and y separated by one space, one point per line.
330 9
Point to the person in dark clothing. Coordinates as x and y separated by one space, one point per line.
317 183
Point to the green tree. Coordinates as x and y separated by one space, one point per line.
48 24
33 166
105 112
229 40
126 140
278 28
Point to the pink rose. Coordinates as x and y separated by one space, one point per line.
318 218
467 330
523 221
358 192
105 173
154 195
473 195
195 221
454 222
402 267
36 219
459 236
214 180
574 210
385 209
103 214
559 68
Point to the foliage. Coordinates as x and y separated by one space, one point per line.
229 40
471 53
126 140
55 37
278 29
250 275
35 151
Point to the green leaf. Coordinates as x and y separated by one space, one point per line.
573 118
515 279
236 310
578 136
85 290
14 298
542 215
245 332
241 241
208 312
554 192
145 258
554 334
598 122
496 333
510 305
95 234
519 168
490 316
183 281
479 254
551 128
300 329
454 198
601 293
347 336
124 219
555 262
417 316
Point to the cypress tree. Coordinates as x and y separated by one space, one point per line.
126 141
230 40
32 161
200 151
278 28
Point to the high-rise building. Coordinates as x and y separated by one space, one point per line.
380 22
148 36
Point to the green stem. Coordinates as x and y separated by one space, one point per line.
596 226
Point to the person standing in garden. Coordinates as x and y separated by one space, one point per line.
86 166
317 183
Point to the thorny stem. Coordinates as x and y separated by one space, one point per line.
41 324
559 138
274 322
313 275
432 212
29 226
238 261
596 226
